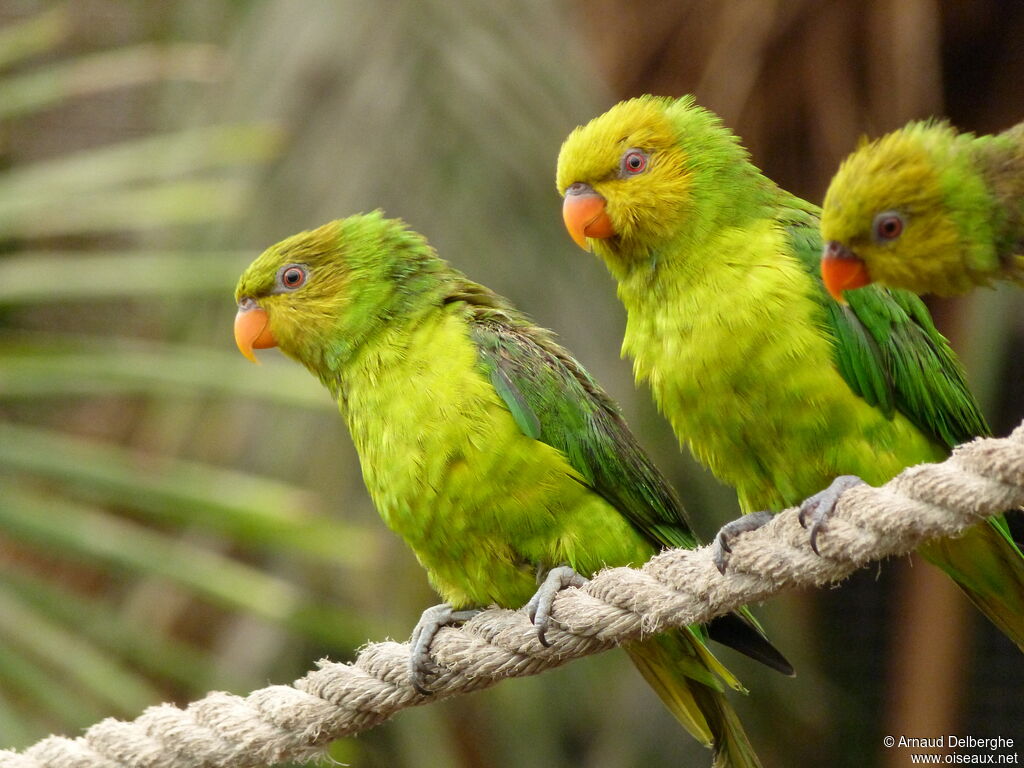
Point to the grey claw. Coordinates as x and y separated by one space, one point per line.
421 665
817 509
817 528
721 548
539 607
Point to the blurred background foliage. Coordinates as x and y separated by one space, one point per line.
174 520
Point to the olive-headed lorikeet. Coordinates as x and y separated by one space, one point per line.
483 443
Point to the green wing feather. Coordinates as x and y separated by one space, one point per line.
554 400
928 383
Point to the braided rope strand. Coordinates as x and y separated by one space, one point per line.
290 723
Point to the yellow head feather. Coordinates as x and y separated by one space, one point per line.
639 206
697 179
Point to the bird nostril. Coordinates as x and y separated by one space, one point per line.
577 188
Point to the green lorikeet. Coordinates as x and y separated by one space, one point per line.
774 386
483 443
927 209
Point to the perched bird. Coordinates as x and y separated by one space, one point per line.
484 444
927 209
774 386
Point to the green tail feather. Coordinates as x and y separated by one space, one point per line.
675 666
989 568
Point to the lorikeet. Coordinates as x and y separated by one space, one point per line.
483 443
774 386
927 209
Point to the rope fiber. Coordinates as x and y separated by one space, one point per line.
677 587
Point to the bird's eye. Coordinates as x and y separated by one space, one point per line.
292 276
634 161
888 225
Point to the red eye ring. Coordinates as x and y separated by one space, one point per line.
293 277
634 161
887 225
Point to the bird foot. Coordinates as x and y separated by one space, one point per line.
817 509
421 665
539 607
721 548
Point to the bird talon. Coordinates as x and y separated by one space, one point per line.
722 548
539 606
421 664
816 510
815 530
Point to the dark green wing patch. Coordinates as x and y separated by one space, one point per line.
929 385
554 400
524 416
889 351
855 350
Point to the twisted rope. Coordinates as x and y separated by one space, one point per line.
291 723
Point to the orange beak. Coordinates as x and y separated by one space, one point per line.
585 215
842 270
252 329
